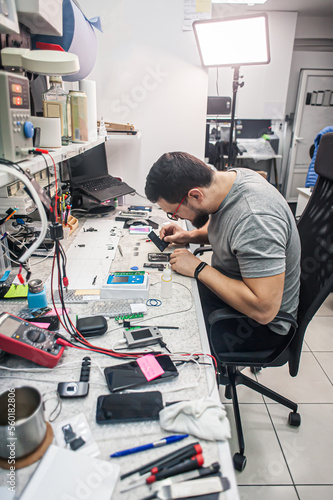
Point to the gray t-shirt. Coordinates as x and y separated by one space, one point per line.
253 235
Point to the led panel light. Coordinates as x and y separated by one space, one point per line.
235 41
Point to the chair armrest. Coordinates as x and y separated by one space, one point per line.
202 249
230 313
224 313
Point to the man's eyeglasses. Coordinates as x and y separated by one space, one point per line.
173 215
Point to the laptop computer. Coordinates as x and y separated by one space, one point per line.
88 173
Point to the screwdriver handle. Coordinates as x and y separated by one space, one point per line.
191 452
191 464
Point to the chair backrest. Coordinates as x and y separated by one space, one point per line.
316 233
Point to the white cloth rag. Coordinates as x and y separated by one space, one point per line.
203 418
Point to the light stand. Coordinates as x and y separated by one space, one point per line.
235 84
233 42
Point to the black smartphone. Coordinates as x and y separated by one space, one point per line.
161 244
128 375
119 408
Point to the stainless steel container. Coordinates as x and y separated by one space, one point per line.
22 422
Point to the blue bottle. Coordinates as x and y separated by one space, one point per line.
36 294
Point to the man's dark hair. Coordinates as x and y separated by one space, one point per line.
174 174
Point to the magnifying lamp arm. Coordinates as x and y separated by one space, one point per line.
39 205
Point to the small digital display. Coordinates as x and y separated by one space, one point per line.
120 279
17 101
17 88
142 334
9 326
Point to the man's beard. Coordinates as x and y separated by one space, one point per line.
201 219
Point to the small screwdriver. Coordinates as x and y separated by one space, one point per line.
190 464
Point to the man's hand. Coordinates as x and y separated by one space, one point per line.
172 233
184 262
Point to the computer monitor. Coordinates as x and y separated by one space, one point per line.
88 165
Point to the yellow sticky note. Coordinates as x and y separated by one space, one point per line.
87 292
17 292
203 5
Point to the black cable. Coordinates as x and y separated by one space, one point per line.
13 164
48 175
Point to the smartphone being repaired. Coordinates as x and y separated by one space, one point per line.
128 375
118 408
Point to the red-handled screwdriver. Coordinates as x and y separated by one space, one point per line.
191 464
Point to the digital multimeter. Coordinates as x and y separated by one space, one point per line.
18 336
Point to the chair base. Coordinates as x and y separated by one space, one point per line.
233 378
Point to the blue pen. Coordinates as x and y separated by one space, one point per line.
156 444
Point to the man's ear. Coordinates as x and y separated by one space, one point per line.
195 194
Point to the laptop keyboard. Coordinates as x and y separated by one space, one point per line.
100 184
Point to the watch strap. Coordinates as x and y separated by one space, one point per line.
199 268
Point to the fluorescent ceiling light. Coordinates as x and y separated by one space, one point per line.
250 2
234 41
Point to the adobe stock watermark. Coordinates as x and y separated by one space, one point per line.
88 489
11 438
152 79
322 253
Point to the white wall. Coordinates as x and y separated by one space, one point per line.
264 94
148 73
306 28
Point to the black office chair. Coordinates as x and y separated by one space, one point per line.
316 233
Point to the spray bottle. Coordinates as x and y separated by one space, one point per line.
166 283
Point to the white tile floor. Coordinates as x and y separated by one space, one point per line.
283 461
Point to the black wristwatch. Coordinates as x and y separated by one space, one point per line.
199 268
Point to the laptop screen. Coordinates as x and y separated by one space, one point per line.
89 165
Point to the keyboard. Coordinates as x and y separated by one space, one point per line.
100 184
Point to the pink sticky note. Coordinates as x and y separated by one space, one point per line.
150 367
41 325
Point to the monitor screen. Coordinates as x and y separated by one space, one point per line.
89 165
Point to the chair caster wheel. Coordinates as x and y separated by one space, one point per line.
239 461
227 392
255 369
294 419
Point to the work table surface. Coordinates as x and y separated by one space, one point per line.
194 381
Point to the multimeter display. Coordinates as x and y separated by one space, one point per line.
11 327
141 334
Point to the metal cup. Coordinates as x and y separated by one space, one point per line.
22 422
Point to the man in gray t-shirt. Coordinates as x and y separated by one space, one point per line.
256 250
253 235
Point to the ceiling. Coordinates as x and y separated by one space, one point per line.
318 8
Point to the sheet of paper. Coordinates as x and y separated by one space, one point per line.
195 10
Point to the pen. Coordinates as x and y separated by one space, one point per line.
156 444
